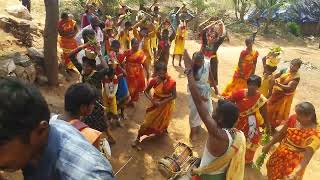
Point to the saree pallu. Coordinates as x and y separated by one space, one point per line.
265 85
157 119
123 91
67 44
289 153
279 103
135 74
250 120
248 66
180 42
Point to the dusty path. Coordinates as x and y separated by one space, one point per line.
144 163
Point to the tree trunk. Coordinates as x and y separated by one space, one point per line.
50 41
269 19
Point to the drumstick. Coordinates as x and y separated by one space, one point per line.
123 166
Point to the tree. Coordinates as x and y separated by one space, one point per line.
241 7
50 41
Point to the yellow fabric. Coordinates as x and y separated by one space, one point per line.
256 109
265 85
180 41
109 103
272 61
124 39
315 143
146 46
234 85
235 155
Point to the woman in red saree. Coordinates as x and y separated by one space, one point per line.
299 139
283 91
252 107
67 30
246 67
158 115
135 70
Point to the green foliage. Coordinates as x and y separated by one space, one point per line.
294 28
72 7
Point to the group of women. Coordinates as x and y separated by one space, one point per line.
126 56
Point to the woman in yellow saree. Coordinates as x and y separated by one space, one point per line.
67 30
158 115
246 67
299 139
135 70
279 103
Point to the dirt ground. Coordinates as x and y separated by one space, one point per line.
143 165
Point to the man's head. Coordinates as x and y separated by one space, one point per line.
79 99
226 114
88 35
91 9
254 82
64 16
295 65
160 70
198 61
212 35
127 25
115 46
24 123
95 22
134 44
249 43
165 34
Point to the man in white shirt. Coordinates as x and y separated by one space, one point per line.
93 26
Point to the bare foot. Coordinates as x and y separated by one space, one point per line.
135 145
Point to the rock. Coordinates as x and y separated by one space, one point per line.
36 55
61 78
21 60
42 80
7 66
19 11
26 73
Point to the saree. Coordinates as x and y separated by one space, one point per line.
289 153
135 73
265 85
157 119
235 157
180 41
279 103
250 119
67 44
124 39
248 65
145 43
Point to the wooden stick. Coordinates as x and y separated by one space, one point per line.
123 166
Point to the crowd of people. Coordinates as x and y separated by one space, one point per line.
119 60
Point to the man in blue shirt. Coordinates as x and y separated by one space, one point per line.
43 150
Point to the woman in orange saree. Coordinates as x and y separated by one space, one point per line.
299 139
135 70
252 107
279 103
246 67
67 30
159 114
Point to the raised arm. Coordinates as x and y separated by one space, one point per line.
201 106
73 57
276 138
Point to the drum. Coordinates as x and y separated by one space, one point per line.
178 163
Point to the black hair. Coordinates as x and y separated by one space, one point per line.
165 31
307 109
86 33
254 80
115 44
155 8
77 95
160 66
134 40
249 40
110 73
296 62
90 62
127 24
22 108
271 68
229 113
198 55
64 15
